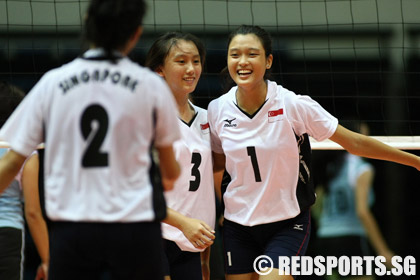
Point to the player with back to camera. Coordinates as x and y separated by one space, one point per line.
20 202
188 228
346 224
99 116
260 134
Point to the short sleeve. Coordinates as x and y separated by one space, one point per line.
166 116
212 115
308 116
24 128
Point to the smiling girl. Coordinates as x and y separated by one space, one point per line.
260 134
188 228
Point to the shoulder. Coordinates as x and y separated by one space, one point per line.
198 109
222 100
56 73
290 98
149 81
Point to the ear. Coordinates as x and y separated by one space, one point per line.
160 72
269 61
138 33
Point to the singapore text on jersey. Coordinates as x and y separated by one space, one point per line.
102 75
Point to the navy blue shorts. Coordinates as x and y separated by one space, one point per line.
11 253
88 250
243 244
181 265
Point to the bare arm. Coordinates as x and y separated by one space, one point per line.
366 146
218 162
205 263
200 234
368 220
169 167
218 170
33 214
10 164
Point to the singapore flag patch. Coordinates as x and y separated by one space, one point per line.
205 128
275 116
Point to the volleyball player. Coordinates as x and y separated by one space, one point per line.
33 213
188 228
12 216
12 226
260 133
99 116
346 224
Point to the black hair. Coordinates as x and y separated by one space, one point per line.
110 23
162 46
261 34
265 40
10 97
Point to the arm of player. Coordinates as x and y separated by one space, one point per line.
169 167
33 214
218 177
363 186
196 231
10 165
218 162
205 263
365 146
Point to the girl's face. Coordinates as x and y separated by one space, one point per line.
247 61
182 67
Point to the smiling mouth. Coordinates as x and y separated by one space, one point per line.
244 72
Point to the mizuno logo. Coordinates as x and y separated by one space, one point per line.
229 123
298 227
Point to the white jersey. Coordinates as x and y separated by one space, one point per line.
268 154
193 193
98 121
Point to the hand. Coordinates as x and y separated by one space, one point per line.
221 220
388 254
42 272
198 233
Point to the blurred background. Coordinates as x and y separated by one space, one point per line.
357 58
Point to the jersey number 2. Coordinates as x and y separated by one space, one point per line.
94 115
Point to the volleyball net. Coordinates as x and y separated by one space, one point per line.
360 59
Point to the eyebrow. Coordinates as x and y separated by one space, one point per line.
186 54
252 49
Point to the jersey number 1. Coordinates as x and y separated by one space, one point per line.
253 155
94 115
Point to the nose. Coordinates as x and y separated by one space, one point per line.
190 67
243 60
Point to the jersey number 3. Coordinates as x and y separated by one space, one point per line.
196 160
94 126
